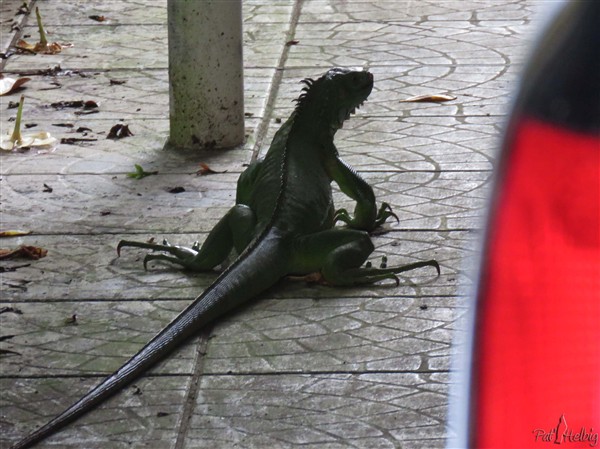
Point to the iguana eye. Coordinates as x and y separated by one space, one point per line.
356 79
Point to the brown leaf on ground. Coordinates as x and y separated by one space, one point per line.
47 48
119 131
436 98
43 46
84 107
9 309
51 71
97 18
23 252
88 104
206 170
23 9
72 320
76 140
10 85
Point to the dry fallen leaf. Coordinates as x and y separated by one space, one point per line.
50 71
9 309
10 85
43 46
206 170
88 104
24 251
72 320
436 98
23 9
76 140
13 233
119 131
16 140
82 107
97 18
48 48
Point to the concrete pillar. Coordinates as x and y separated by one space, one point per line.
206 83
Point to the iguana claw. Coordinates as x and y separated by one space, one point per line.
370 275
182 255
150 257
385 212
343 216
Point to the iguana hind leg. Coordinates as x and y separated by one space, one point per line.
339 255
236 230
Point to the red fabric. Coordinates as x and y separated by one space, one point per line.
537 353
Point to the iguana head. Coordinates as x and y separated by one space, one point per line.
333 97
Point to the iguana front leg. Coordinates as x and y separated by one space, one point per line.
338 254
366 215
236 230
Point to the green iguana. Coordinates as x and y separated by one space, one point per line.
282 224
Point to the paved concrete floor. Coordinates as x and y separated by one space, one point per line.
310 367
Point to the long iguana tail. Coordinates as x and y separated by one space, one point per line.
257 269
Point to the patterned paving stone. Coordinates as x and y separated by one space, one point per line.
98 340
106 156
144 46
320 411
118 95
416 144
481 90
12 20
423 200
390 11
147 12
113 12
326 44
87 267
291 335
148 411
126 94
355 334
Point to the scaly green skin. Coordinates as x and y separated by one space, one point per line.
282 224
